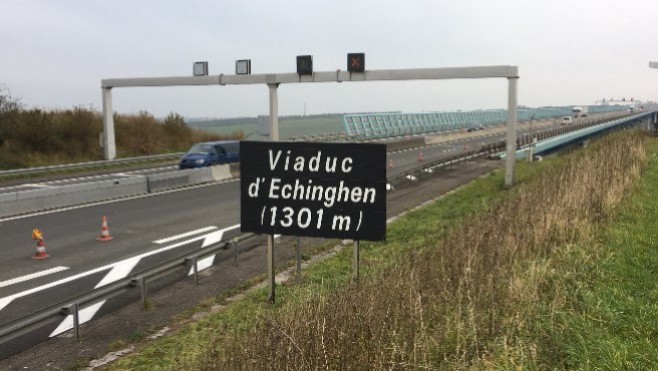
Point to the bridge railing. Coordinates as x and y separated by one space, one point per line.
382 125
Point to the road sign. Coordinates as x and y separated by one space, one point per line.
333 190
356 62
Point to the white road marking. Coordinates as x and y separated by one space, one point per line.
202 264
112 276
217 236
8 299
119 271
123 269
32 276
211 238
84 315
184 235
37 185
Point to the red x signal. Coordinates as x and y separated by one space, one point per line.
356 62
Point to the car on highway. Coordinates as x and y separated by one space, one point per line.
475 128
567 120
211 153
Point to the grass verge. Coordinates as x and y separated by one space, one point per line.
609 318
483 279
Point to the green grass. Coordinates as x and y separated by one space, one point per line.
610 321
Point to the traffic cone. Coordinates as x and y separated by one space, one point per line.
390 163
41 253
105 232
420 155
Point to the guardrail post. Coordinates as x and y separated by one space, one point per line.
531 150
142 285
235 246
196 270
76 321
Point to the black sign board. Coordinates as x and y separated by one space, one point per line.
333 190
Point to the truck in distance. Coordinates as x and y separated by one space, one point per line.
579 111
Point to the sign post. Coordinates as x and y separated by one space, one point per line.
355 261
298 257
274 137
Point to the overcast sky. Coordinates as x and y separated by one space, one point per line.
53 54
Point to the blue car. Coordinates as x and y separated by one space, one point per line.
211 153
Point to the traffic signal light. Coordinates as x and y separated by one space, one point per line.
200 69
356 62
305 64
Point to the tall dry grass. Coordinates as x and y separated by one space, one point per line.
469 302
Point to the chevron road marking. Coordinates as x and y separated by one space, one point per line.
123 268
211 238
118 270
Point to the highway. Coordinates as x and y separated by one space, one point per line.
147 231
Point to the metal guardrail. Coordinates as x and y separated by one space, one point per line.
90 164
483 151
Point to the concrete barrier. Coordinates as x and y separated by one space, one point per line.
184 178
14 203
200 176
398 145
221 172
235 170
165 181
21 202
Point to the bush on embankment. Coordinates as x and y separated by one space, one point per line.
36 137
449 289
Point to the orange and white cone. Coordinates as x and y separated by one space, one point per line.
390 163
420 156
105 232
41 253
